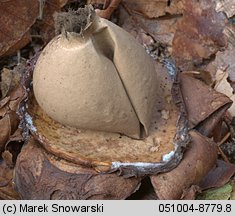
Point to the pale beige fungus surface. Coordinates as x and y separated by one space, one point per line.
100 80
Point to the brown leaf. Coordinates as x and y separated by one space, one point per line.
7 157
153 9
5 174
222 85
218 176
16 19
25 39
224 61
6 184
229 32
107 12
16 96
15 137
161 30
5 83
9 119
62 3
8 125
10 79
190 193
227 6
222 69
199 34
3 102
5 128
39 175
14 121
204 106
104 3
197 162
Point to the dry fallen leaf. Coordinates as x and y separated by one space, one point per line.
7 157
5 83
39 175
9 79
218 176
104 3
190 193
222 70
229 32
5 127
13 147
9 119
154 9
161 30
197 161
224 62
222 85
204 106
16 19
226 6
6 186
199 34
107 12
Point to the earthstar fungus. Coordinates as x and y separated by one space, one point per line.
93 106
96 76
100 115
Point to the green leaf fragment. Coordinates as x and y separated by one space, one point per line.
222 193
233 192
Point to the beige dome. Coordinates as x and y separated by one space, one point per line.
100 80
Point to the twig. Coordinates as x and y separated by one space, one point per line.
225 158
220 150
18 56
224 139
